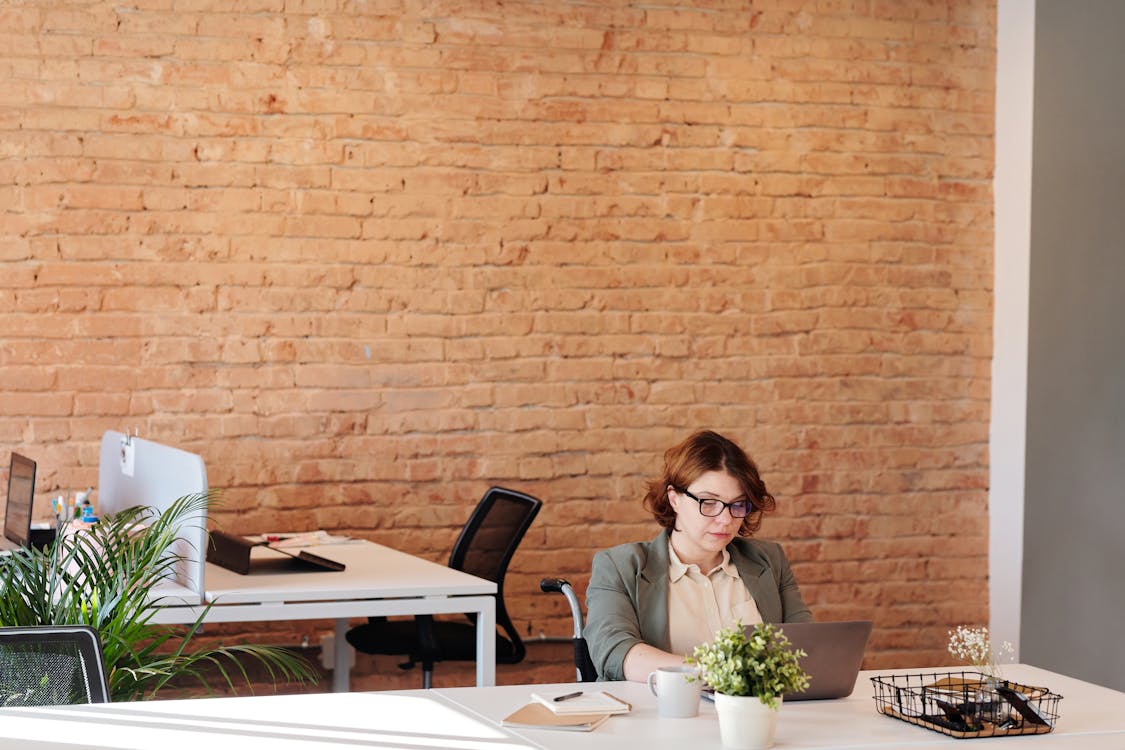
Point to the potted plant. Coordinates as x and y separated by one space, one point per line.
100 576
750 675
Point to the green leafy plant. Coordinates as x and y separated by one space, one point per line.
761 665
101 577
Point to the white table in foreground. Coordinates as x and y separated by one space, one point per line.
408 720
377 580
1090 717
469 719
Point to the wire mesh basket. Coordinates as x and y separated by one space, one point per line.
966 705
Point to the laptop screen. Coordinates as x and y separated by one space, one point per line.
834 655
21 494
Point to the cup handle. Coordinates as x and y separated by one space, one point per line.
651 686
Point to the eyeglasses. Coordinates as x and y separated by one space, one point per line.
710 507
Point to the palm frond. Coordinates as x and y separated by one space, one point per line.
102 577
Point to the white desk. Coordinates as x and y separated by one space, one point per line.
411 720
377 581
1091 718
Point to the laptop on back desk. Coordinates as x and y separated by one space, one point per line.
21 495
835 653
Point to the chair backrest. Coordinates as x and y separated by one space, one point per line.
489 539
494 531
51 665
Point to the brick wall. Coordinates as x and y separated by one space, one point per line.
370 258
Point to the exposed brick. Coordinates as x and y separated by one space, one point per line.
370 263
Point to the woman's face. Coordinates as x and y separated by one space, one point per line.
697 538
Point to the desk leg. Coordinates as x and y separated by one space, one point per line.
486 644
341 671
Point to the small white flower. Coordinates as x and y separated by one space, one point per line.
974 645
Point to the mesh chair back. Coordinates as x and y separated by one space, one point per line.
494 531
486 545
484 548
51 666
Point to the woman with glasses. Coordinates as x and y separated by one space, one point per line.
650 603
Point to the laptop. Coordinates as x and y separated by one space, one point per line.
835 652
21 495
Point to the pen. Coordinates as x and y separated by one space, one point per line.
568 696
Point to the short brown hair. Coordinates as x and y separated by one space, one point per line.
703 452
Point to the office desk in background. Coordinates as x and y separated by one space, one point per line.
378 580
1092 718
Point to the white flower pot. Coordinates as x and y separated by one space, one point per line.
745 723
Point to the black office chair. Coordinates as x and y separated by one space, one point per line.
583 664
484 549
51 665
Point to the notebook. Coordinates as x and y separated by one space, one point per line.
21 495
579 702
571 710
537 716
835 652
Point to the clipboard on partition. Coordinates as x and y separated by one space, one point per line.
233 553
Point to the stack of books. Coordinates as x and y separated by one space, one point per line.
576 710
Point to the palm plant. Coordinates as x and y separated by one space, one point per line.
101 577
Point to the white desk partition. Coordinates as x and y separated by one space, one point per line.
1091 718
133 471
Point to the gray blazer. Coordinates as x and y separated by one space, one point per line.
627 599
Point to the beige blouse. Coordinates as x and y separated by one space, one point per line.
699 603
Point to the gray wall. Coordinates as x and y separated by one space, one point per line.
1074 535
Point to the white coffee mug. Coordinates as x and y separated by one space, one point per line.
676 690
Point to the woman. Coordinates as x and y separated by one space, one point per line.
650 603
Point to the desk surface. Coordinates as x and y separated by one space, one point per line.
372 572
376 581
336 721
1090 717
469 719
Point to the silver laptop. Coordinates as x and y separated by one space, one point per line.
17 513
835 653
